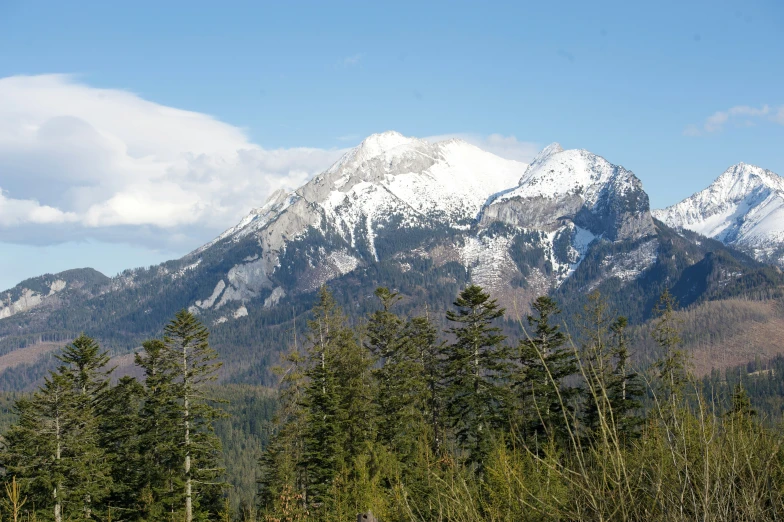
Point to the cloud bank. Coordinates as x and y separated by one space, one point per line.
78 161
84 163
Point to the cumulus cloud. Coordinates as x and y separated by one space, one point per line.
508 147
78 161
741 115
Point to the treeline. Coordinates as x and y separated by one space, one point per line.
82 449
396 418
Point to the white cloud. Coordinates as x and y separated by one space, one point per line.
78 161
508 147
741 115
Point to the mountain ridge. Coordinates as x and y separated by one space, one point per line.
424 218
743 207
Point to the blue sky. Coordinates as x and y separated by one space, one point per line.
675 91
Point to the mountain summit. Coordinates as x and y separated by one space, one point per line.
423 218
743 208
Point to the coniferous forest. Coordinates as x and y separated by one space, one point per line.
398 417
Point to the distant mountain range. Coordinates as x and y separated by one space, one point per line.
743 208
425 218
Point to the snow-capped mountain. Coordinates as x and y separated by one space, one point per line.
424 218
743 208
403 199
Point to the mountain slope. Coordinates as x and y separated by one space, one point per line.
743 208
423 218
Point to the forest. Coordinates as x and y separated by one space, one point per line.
397 417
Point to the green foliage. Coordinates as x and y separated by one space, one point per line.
475 366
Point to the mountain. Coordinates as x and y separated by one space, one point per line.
51 291
743 208
423 218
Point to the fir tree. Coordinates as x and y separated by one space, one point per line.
160 451
42 447
399 375
475 370
422 335
673 367
86 362
545 401
120 425
192 362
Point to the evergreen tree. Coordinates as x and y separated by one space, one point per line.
545 401
41 449
612 391
326 439
86 362
160 450
625 389
281 480
422 335
399 375
192 363
120 433
475 373
55 446
673 366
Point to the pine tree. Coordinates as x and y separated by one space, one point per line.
120 424
422 335
41 447
399 375
475 373
189 357
545 401
86 362
160 450
673 367
337 399
55 445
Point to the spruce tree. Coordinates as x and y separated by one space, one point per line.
337 400
160 450
545 361
40 448
673 366
192 362
55 445
422 335
625 389
281 480
120 430
399 375
611 392
475 373
86 362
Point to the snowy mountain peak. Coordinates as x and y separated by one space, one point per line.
551 149
740 179
377 144
580 186
743 207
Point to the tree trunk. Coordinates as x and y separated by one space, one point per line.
57 487
186 412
